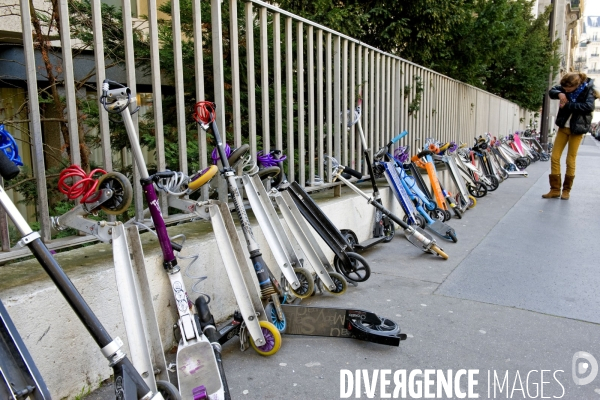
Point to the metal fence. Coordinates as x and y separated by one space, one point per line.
307 76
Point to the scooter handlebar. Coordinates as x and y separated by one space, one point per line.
398 137
352 172
425 153
8 169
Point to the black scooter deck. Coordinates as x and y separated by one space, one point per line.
339 322
368 243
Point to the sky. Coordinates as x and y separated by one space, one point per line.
592 7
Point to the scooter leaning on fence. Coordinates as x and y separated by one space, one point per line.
128 383
332 322
414 234
405 194
383 227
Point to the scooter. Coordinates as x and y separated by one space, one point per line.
410 202
194 348
414 234
383 228
358 324
128 382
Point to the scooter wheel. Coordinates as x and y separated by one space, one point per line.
340 284
457 212
447 216
268 173
521 163
438 214
389 229
168 390
350 237
478 189
385 325
237 154
494 183
307 283
418 220
452 235
472 202
272 338
122 193
357 271
271 314
439 252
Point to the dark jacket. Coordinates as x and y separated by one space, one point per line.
580 110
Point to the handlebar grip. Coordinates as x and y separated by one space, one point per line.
400 136
176 246
424 153
164 174
8 169
352 172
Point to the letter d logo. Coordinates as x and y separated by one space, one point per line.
583 367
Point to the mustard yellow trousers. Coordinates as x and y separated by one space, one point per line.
564 137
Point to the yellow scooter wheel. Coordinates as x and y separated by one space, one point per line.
272 338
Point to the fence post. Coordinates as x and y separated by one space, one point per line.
35 126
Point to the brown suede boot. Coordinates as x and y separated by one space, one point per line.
554 192
567 185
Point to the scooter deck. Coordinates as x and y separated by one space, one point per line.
196 365
439 228
368 243
339 322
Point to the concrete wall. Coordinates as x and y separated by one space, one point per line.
68 358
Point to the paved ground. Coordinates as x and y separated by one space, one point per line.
517 299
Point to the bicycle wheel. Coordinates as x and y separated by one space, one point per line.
358 269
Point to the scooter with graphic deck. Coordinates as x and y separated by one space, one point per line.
375 329
195 349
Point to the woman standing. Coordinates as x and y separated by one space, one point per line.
576 94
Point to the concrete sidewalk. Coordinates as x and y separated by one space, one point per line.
517 299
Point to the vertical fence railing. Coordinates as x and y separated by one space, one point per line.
308 77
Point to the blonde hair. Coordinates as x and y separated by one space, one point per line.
574 79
